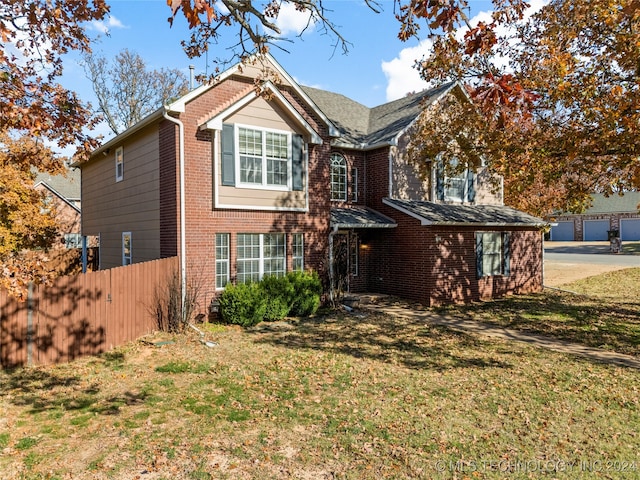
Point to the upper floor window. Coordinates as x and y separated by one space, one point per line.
338 177
119 164
253 157
455 187
264 157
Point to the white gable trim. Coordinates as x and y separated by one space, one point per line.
333 131
215 123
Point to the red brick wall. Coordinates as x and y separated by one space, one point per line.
437 265
169 194
203 221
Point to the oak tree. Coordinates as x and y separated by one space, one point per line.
555 96
127 90
36 111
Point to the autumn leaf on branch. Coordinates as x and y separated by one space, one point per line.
34 109
558 90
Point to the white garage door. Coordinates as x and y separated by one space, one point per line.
630 229
596 230
562 232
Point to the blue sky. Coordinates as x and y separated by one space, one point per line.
377 69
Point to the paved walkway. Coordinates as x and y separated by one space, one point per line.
464 325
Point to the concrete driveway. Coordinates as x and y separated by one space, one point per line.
565 262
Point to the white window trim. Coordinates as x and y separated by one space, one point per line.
119 156
263 185
227 261
464 176
293 256
124 257
262 258
346 180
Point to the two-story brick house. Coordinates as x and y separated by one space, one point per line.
295 177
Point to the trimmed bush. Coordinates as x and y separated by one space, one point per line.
279 295
247 304
307 289
243 304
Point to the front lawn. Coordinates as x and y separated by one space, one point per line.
351 396
603 312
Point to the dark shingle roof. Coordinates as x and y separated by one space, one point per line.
430 213
363 126
359 217
68 187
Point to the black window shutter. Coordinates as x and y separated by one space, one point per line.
506 256
228 156
297 163
471 187
479 254
439 180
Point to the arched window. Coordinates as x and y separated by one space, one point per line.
338 177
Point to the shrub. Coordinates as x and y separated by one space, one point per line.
307 289
243 304
279 295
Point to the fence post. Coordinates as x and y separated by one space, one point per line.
30 324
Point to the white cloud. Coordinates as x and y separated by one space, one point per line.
105 27
292 21
402 77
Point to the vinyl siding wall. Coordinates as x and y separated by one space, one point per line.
131 205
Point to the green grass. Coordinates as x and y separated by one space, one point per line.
606 314
340 396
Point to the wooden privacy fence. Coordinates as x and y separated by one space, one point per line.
81 315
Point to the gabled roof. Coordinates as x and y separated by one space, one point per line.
178 106
66 187
363 127
430 213
360 217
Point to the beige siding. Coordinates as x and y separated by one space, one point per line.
263 114
410 180
131 205
488 189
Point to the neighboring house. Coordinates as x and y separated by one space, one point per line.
63 195
299 178
615 213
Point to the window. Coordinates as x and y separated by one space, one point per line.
73 240
119 164
298 252
126 248
264 157
222 259
259 255
274 254
492 253
338 177
458 187
354 243
354 184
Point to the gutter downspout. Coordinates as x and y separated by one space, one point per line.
183 235
332 294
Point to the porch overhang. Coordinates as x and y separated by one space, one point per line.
430 213
359 217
